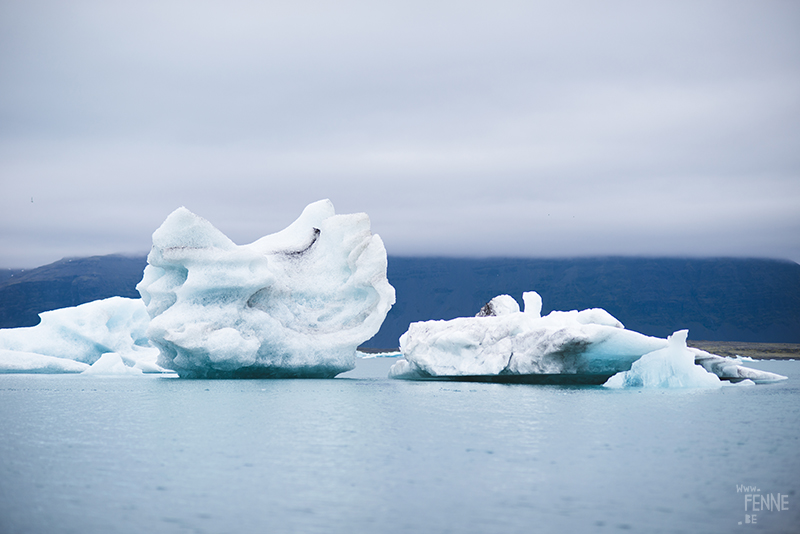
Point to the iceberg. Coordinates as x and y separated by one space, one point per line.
292 304
70 340
503 344
111 364
670 367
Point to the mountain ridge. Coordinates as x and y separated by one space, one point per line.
717 299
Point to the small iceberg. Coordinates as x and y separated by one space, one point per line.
70 340
503 344
111 364
671 367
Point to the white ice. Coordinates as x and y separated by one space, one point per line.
111 364
371 355
670 367
20 361
501 340
69 340
292 304
512 342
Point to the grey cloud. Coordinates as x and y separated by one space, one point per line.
559 128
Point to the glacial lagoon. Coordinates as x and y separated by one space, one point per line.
363 454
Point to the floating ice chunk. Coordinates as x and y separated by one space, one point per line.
586 347
729 368
589 343
111 364
745 382
404 369
79 334
671 367
292 304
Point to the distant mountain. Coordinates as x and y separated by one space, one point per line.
719 299
68 282
5 274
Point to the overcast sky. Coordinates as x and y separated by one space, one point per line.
462 128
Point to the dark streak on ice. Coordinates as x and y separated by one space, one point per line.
297 253
507 369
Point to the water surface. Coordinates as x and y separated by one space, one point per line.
362 453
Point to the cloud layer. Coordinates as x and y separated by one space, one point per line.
473 129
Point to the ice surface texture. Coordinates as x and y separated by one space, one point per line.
69 340
501 340
292 304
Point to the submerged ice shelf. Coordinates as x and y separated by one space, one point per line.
503 344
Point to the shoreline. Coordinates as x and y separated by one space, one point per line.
757 351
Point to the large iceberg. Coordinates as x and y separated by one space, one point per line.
505 344
292 304
70 340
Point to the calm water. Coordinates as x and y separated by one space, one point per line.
368 454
